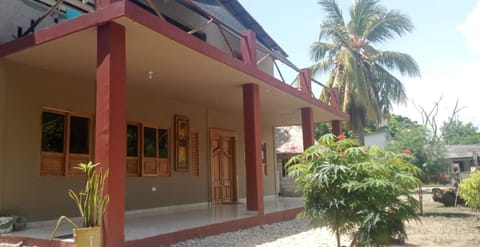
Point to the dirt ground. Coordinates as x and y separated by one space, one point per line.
443 226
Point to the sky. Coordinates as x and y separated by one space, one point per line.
445 43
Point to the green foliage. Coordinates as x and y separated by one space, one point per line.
91 201
348 52
457 132
469 190
428 151
363 192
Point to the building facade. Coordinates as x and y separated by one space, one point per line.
175 98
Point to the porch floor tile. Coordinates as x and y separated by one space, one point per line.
148 223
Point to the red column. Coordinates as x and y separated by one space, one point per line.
110 138
248 47
336 127
306 81
251 116
100 4
307 128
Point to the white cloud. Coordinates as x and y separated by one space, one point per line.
471 28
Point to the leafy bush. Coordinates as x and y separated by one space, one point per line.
469 190
362 192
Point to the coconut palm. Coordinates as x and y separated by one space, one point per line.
347 52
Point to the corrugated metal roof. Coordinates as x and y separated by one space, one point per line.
237 10
461 151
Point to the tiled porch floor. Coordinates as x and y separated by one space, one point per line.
149 223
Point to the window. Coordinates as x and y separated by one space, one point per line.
156 155
148 151
133 147
264 158
66 141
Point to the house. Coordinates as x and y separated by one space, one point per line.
462 158
288 143
378 138
174 97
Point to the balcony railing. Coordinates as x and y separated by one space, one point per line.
283 69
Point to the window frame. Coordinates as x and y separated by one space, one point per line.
65 161
151 166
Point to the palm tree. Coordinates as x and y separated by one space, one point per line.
347 52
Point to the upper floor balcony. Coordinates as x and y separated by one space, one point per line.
223 24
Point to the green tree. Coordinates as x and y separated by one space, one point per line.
469 189
358 191
347 52
427 150
457 132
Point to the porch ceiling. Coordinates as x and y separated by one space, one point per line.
179 73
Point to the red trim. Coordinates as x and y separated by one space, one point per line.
101 4
336 127
137 14
214 229
248 47
253 160
35 242
306 81
173 237
111 122
307 128
162 27
63 29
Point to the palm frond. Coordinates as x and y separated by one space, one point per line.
361 13
332 11
399 61
385 26
320 50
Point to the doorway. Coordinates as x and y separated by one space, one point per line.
222 166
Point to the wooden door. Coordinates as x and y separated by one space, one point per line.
222 153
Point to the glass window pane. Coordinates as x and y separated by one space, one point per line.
132 140
162 143
79 135
149 142
53 132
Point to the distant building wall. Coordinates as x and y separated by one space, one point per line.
378 139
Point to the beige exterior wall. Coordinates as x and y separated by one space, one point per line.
45 197
269 180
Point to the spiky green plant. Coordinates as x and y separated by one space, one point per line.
362 192
91 201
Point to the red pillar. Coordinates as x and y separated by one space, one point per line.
251 116
100 4
306 81
248 47
307 128
110 139
336 127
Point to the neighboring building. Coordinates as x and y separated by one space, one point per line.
288 143
176 106
462 158
380 138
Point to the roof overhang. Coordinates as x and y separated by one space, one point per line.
184 68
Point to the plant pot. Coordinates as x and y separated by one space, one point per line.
6 224
88 237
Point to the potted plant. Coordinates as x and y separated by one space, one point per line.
92 203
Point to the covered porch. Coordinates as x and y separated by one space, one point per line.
122 64
167 225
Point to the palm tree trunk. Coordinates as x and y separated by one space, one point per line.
337 234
